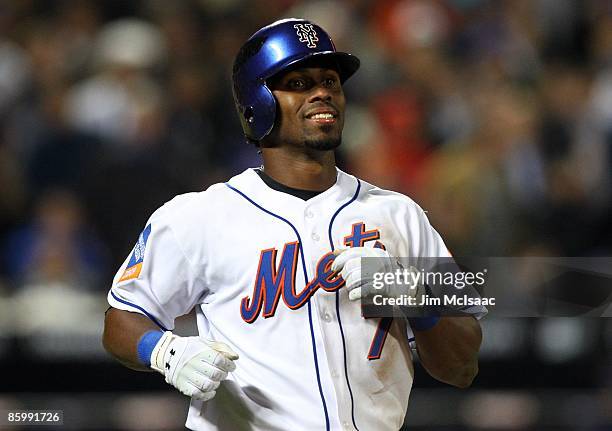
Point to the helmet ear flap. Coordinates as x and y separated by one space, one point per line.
258 116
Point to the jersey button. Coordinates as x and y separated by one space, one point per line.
309 214
315 236
327 317
334 374
346 425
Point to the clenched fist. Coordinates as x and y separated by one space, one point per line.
193 365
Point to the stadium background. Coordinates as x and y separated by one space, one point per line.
496 116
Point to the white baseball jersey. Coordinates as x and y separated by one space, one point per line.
255 264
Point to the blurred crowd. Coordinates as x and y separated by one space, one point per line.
495 116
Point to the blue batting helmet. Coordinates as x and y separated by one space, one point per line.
270 50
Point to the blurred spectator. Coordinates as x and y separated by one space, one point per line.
191 147
57 247
475 188
397 155
60 156
121 103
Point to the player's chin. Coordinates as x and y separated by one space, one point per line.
325 139
324 143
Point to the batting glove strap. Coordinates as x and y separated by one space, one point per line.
159 352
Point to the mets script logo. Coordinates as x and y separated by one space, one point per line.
274 280
307 34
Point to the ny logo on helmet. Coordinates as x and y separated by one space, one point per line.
307 34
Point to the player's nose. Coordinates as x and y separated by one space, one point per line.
320 93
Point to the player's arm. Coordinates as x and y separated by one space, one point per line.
193 365
449 350
122 332
152 288
448 346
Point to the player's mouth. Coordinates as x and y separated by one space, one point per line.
322 116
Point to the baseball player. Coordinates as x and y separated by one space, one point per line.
270 261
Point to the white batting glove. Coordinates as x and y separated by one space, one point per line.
348 264
193 365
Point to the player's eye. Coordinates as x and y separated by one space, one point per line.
297 84
330 82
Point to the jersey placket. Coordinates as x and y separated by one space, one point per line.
323 303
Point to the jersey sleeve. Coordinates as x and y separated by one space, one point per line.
157 279
430 242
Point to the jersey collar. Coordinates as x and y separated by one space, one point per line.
249 183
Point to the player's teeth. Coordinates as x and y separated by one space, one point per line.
322 116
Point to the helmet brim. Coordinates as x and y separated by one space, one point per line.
346 64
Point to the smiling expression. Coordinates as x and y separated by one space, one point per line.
310 108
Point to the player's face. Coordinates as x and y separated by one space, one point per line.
310 108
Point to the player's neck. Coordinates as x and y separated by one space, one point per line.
315 171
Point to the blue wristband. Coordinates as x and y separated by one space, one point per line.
423 323
146 344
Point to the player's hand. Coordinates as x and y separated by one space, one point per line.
361 285
193 365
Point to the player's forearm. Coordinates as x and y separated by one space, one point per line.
122 331
193 365
449 350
